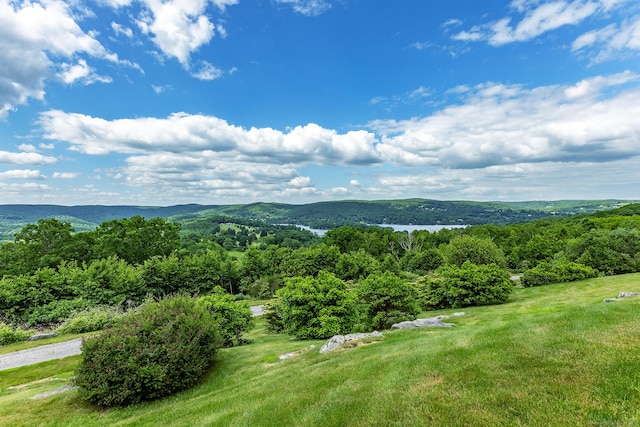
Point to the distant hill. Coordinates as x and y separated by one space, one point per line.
317 215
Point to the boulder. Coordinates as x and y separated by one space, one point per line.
433 322
42 336
337 340
628 294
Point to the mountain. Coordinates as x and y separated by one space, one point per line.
317 215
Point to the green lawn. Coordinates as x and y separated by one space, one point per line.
552 356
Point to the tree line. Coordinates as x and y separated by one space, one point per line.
49 271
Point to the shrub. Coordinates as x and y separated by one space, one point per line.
467 285
10 335
315 308
547 273
273 317
93 319
54 312
158 349
233 317
477 250
386 300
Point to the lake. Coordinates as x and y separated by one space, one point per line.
395 227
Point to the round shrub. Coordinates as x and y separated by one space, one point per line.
477 250
386 299
546 273
233 317
158 349
467 285
316 308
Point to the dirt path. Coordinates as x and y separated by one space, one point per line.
48 352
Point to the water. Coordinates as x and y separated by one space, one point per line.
395 227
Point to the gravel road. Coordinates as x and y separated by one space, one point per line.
57 351
40 354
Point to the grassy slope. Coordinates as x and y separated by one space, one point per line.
554 355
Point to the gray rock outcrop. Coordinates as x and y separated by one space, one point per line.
337 340
622 295
432 322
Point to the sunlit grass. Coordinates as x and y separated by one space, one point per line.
551 356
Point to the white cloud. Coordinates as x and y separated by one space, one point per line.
33 35
495 141
28 148
25 158
65 175
610 41
180 27
207 71
593 120
121 30
21 174
307 7
183 133
80 72
539 18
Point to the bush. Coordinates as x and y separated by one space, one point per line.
54 312
386 300
233 317
547 273
93 319
467 285
273 317
477 250
10 335
315 308
158 349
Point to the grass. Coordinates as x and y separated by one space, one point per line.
551 356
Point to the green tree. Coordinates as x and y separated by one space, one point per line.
45 244
477 250
386 299
466 285
136 239
314 308
233 318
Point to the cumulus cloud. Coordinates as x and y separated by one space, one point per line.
539 18
493 134
80 72
65 175
25 158
33 35
21 174
183 133
179 27
501 124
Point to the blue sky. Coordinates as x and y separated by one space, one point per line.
152 102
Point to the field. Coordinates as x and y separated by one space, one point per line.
551 356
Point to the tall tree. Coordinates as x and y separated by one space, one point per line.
136 239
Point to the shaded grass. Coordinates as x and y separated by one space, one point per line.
551 356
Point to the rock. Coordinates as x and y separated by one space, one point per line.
337 340
42 336
628 294
610 300
433 322
52 392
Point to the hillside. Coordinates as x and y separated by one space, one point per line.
554 355
317 215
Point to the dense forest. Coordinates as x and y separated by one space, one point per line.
50 270
316 215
